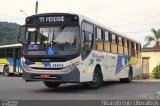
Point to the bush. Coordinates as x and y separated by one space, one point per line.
156 72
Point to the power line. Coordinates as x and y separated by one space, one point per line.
138 32
136 21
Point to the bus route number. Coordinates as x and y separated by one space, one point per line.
51 19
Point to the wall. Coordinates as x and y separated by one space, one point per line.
154 59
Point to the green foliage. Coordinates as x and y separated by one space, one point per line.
8 33
156 72
153 38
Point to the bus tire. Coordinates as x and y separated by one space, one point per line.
97 80
6 71
50 84
129 79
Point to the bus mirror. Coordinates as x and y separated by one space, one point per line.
21 35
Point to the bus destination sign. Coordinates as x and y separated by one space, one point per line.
51 19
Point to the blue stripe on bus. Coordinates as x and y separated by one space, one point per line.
121 63
46 64
10 60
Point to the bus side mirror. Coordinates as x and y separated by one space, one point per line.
21 35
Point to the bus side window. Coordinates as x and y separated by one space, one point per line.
82 39
139 51
129 47
114 43
107 41
120 45
126 47
133 49
2 53
99 39
9 52
86 39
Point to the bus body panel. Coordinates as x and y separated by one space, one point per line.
10 56
9 62
113 66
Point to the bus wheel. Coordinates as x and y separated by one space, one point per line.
97 80
129 79
6 71
51 84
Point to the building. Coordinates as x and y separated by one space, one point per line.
150 59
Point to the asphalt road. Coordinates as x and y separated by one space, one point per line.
15 88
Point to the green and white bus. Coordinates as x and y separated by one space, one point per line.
70 48
10 56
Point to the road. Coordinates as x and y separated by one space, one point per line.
15 88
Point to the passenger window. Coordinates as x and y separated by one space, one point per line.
120 41
120 46
107 43
99 40
113 38
86 39
126 47
9 52
114 44
2 53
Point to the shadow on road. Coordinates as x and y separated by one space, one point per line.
69 88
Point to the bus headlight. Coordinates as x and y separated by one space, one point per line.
69 68
27 67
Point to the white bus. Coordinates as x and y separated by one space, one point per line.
10 56
70 48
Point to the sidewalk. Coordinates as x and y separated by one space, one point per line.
148 80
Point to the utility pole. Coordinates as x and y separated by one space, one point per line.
36 8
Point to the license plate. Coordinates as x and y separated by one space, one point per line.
45 76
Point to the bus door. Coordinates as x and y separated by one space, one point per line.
17 58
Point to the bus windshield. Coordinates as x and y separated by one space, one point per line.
64 39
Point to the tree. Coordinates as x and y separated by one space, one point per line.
155 38
8 33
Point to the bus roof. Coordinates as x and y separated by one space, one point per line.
107 28
81 17
11 45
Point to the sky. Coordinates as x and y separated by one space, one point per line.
133 18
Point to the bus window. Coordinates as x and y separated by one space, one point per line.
120 46
86 39
125 47
99 40
114 44
129 47
9 52
106 41
2 53
133 49
138 55
139 51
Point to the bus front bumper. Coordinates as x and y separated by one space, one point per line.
70 77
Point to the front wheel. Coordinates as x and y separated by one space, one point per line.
97 80
50 84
